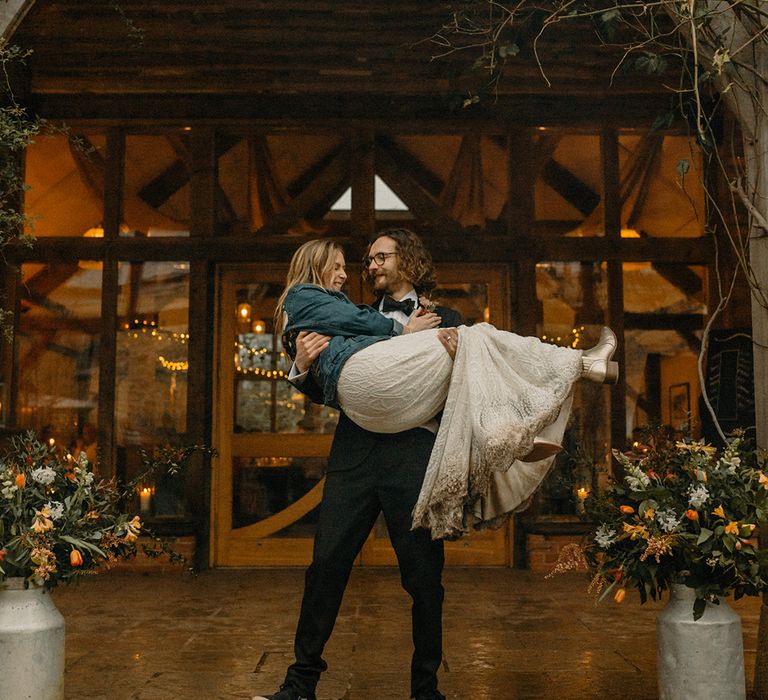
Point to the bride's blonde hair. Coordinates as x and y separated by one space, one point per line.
312 263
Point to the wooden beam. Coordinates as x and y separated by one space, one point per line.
225 212
326 181
651 161
449 247
572 189
682 277
311 110
684 323
409 163
609 149
47 280
113 214
161 188
87 326
11 277
197 484
363 166
419 202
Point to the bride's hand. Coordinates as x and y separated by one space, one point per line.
449 337
420 322
308 346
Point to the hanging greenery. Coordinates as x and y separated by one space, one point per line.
17 130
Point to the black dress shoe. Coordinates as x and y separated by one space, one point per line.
287 692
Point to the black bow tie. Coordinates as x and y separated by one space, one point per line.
406 305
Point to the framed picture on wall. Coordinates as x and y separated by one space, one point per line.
680 405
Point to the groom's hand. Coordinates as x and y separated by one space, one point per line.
308 346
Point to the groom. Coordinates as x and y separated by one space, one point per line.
367 474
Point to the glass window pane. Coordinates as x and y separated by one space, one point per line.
665 307
61 170
151 368
266 486
662 185
265 401
58 350
157 185
573 296
469 299
569 187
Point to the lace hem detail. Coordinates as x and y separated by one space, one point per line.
505 390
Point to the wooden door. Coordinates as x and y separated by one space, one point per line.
273 443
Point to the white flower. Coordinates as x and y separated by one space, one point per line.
9 489
730 464
605 536
82 460
634 477
55 508
88 478
668 520
698 495
44 475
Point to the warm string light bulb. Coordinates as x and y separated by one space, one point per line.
171 366
573 339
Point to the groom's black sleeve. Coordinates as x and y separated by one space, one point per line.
449 318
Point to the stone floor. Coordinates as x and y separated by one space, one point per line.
228 634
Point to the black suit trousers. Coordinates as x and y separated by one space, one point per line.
388 480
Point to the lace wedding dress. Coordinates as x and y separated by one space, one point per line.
500 392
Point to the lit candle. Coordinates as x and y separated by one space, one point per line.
144 497
581 496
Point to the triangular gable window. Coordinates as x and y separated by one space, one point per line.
384 198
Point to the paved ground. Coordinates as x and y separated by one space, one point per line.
228 634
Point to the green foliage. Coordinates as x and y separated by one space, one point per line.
683 513
57 522
17 130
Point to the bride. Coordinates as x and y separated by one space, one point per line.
504 398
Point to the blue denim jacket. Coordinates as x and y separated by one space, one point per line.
352 327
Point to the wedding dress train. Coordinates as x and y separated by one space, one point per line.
500 392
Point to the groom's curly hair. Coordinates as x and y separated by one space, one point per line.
415 260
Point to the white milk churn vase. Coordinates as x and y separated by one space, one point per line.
31 643
701 659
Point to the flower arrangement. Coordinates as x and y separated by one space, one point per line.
57 522
684 513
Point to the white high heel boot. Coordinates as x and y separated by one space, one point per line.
596 364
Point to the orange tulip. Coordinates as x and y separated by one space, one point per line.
21 481
2 554
691 514
620 595
75 558
627 510
719 512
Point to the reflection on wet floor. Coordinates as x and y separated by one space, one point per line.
229 634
